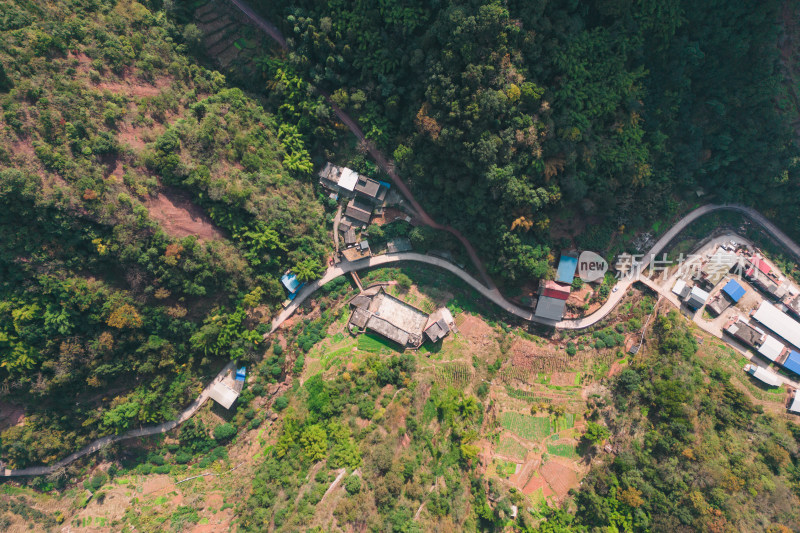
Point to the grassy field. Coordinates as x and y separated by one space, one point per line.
511 448
368 342
562 450
526 426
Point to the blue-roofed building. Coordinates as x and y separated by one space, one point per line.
792 362
241 373
566 269
291 282
733 290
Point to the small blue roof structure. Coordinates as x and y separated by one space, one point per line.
291 282
385 184
566 269
793 362
240 374
734 290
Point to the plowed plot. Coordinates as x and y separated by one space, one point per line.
527 357
180 217
537 483
563 379
559 477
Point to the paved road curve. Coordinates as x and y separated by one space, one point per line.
382 161
527 314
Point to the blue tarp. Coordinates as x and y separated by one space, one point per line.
291 282
793 362
566 269
387 185
240 374
734 290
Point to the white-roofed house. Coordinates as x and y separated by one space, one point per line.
779 322
772 348
762 374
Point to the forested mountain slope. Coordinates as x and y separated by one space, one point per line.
511 117
110 134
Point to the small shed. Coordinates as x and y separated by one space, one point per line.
566 269
291 282
794 407
793 362
223 395
763 375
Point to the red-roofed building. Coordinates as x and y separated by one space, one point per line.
554 289
759 263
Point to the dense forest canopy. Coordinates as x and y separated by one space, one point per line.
511 117
103 113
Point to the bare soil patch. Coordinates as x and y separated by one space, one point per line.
134 87
560 478
562 379
10 415
476 330
180 217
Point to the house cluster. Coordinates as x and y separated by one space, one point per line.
553 294
773 334
364 194
382 313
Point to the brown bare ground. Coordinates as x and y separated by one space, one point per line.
130 86
560 477
180 217
562 379
10 415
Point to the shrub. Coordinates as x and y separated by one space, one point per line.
571 349
281 403
224 432
352 485
97 481
599 345
182 457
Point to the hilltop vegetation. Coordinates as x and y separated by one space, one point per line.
106 126
510 118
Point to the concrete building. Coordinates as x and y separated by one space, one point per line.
717 267
779 323
681 289
697 298
389 317
744 332
552 300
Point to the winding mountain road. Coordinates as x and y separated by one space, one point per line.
487 289
134 433
494 295
383 162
